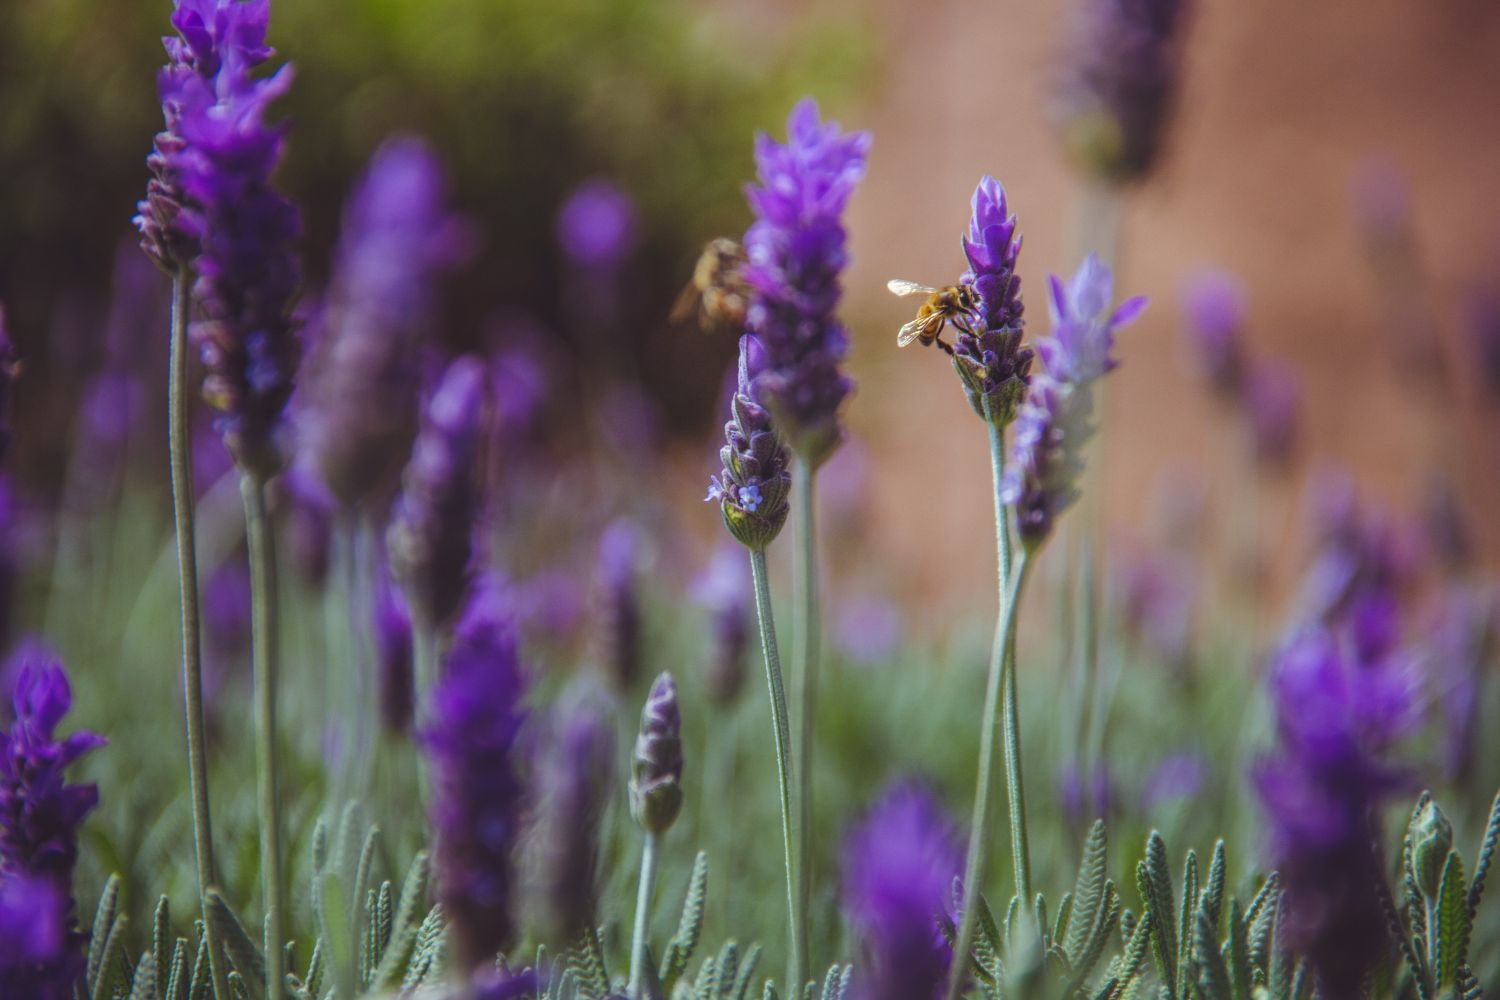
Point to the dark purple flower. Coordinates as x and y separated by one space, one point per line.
724 591
1272 400
519 383
796 253
39 955
1361 552
1056 420
243 228
1213 307
9 368
396 240
656 764
430 537
597 225
620 611
752 488
574 776
1337 715
393 656
477 794
989 358
1177 777
1121 86
898 867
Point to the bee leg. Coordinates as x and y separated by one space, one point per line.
947 347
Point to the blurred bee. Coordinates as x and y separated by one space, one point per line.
956 304
718 293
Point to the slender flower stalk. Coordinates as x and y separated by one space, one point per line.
805 655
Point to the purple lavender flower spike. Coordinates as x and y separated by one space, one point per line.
430 537
898 867
1336 718
393 657
243 228
656 766
621 611
597 225
396 240
1119 91
39 957
796 253
752 488
989 358
1273 399
573 783
478 797
1213 308
1056 419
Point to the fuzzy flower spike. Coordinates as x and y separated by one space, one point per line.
796 253
1057 419
752 488
989 357
243 229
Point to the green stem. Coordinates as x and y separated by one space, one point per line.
264 658
641 941
805 625
796 968
187 582
424 662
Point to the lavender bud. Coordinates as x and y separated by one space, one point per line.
621 610
430 536
1273 398
1121 86
597 225
898 865
1432 839
573 781
752 488
796 253
477 794
989 358
656 767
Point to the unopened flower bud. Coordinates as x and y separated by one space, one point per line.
1431 840
656 768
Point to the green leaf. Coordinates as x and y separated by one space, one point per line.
426 948
1212 898
108 975
741 987
1186 909
1155 883
1135 955
200 987
1485 856
104 920
1452 921
1088 889
1237 952
316 967
706 986
593 974
728 966
684 942
1098 937
1262 928
335 930
161 943
1467 987
143 985
1213 974
403 934
831 983
240 949
177 977
1415 904
1060 922
769 993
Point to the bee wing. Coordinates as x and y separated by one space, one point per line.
918 328
686 305
904 288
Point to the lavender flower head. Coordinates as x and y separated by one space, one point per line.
1056 420
574 777
1273 400
1121 86
244 230
898 867
795 252
656 765
597 225
619 557
430 536
478 797
989 358
396 240
1337 714
1213 307
752 488
38 959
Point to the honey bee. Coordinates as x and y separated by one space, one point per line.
956 304
718 293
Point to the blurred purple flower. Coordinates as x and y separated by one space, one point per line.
477 794
1154 592
1360 551
656 763
1213 306
244 229
310 511
1273 398
520 385
28 649
596 226
844 486
430 536
620 605
868 629
551 603
1178 776
1121 85
899 865
989 359
491 984
210 461
751 490
396 240
723 589
393 655
112 400
1336 717
226 620
796 253
1085 799
574 777
39 955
